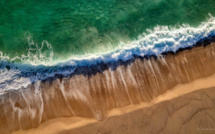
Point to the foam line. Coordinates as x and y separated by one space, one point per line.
155 42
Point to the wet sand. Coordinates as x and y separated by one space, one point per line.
187 108
86 100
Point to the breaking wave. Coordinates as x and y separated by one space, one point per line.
38 63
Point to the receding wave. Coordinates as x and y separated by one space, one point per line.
155 42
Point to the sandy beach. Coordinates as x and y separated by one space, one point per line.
171 93
107 67
187 108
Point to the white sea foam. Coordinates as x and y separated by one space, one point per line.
36 54
154 42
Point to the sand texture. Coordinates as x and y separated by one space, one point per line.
186 109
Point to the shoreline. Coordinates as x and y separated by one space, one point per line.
93 96
58 72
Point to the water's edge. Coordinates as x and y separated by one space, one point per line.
92 96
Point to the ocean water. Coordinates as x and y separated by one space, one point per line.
38 39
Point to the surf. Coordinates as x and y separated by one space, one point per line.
155 42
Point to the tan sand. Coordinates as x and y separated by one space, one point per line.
93 97
192 103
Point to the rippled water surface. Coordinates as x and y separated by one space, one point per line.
46 30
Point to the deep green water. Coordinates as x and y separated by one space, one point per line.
77 27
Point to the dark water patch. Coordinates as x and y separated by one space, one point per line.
92 70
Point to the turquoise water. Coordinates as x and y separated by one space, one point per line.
41 39
68 28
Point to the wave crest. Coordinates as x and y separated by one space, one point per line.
155 42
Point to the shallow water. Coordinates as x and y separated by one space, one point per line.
41 39
74 28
